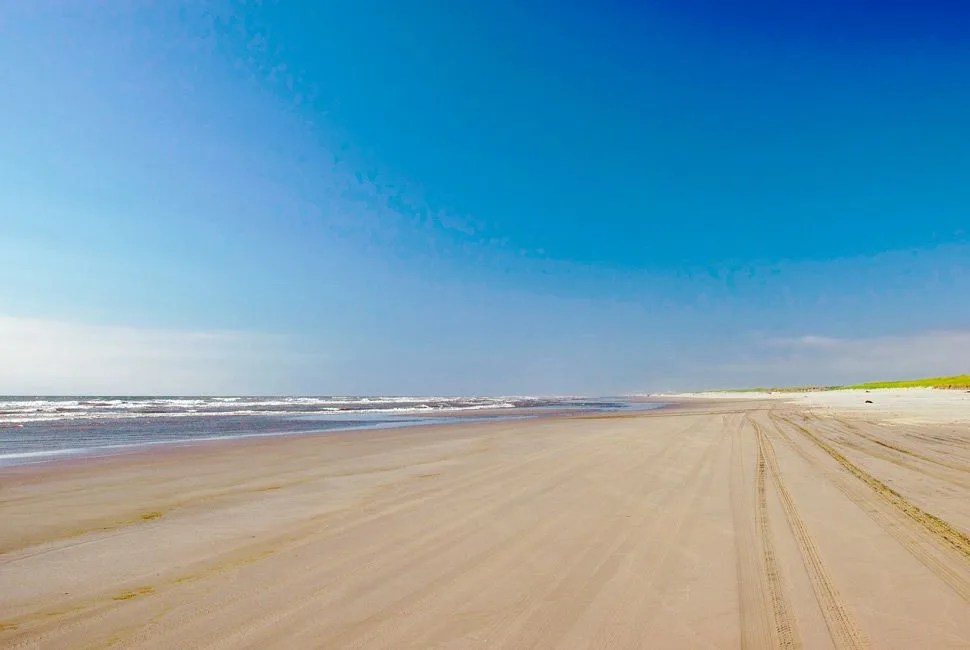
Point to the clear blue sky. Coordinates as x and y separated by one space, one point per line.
387 197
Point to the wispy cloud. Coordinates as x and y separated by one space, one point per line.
56 357
808 342
814 359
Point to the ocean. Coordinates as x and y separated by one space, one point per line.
37 429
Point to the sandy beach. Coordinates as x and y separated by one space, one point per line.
762 521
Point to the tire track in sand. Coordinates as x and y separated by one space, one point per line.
786 630
890 452
915 539
754 606
940 528
842 628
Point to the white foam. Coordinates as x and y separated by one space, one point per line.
39 454
22 411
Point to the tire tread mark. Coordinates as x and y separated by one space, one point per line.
897 525
902 457
757 626
841 625
785 625
940 528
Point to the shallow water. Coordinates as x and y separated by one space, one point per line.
38 429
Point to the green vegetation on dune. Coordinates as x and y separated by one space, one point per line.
953 381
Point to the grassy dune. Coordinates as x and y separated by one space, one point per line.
953 381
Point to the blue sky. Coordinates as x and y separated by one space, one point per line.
384 197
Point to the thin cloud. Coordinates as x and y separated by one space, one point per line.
40 356
813 359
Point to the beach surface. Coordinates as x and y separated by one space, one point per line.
726 521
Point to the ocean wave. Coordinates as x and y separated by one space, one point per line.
18 410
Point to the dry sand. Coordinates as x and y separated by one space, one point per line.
888 405
718 523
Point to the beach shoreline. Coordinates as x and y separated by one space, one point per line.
54 437
754 520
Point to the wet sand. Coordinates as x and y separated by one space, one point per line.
715 523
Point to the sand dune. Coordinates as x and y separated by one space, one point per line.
755 523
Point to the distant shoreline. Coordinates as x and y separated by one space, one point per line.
73 438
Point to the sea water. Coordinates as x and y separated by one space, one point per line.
37 429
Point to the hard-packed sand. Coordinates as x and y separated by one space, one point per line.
717 523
